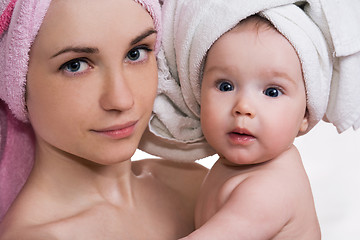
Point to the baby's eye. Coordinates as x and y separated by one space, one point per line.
272 92
225 86
137 54
75 66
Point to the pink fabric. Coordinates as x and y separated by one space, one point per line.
6 17
14 52
16 156
153 8
17 141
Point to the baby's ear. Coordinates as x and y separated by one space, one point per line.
304 124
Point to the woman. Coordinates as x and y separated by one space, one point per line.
90 86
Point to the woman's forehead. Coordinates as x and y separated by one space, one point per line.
82 13
75 22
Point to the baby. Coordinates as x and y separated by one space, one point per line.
211 63
253 105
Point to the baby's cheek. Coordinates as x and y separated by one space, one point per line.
281 137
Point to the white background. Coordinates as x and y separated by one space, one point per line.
332 162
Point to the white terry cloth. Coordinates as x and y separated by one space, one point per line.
190 29
174 131
340 23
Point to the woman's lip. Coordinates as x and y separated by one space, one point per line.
118 131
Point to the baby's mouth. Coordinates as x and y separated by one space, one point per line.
241 137
242 132
244 135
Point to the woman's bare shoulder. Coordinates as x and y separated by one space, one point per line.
81 225
13 230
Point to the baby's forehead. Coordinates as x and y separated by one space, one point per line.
259 42
264 30
256 23
254 28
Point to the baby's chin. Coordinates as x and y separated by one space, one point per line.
236 161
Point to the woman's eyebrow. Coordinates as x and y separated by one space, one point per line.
76 50
137 39
145 34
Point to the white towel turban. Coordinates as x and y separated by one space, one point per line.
192 26
340 24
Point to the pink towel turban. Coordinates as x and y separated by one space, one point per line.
20 21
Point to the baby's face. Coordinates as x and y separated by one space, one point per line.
253 99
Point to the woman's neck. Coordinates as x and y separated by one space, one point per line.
60 174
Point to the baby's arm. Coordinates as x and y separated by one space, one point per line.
256 209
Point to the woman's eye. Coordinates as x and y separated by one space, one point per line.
75 66
137 54
272 92
225 86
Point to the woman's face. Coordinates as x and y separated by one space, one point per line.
92 79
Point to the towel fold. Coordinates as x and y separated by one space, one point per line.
15 43
20 21
339 22
190 29
174 132
17 149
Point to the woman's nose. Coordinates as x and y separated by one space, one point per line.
244 106
116 93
